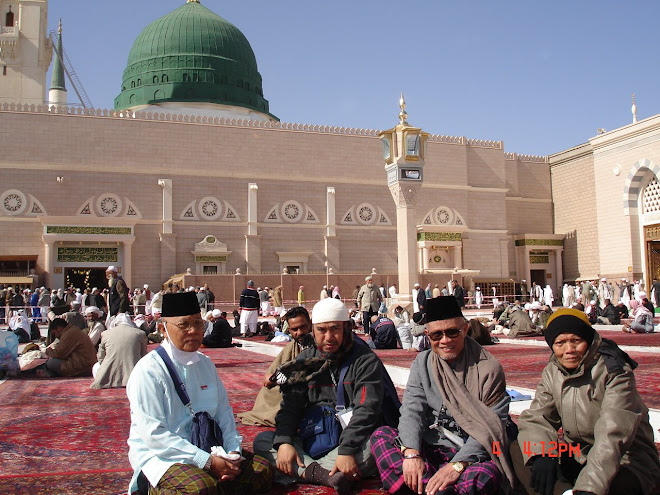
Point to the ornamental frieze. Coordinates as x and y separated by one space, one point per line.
87 255
439 236
78 230
652 232
539 242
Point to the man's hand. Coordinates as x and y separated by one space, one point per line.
347 465
268 383
224 470
413 472
287 457
445 477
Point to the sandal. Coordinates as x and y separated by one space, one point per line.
626 329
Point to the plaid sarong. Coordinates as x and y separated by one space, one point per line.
478 478
256 476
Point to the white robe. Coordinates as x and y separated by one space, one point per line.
548 297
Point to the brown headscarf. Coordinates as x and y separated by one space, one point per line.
470 390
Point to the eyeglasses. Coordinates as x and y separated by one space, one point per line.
197 324
451 333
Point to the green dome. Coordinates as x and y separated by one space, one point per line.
192 55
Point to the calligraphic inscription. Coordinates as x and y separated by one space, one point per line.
87 254
210 259
537 259
539 242
73 230
439 236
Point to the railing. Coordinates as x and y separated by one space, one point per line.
8 29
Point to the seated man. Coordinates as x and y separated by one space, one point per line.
160 451
269 398
95 326
608 314
402 322
75 317
71 353
520 324
220 335
119 351
455 408
383 333
317 382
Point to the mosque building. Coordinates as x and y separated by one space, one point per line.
191 173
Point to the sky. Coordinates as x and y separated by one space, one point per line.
541 76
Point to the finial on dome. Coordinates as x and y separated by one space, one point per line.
634 109
402 114
59 27
192 1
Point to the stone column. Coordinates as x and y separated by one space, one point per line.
127 269
166 184
49 264
252 238
405 199
167 256
425 259
559 271
331 242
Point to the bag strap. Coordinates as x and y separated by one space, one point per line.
178 384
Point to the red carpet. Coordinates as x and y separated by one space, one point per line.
59 436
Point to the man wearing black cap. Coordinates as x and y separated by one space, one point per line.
452 427
249 306
163 458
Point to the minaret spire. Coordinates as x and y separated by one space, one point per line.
57 92
633 109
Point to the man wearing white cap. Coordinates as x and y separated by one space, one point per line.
94 324
118 294
220 335
310 382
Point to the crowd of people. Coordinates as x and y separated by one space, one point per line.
334 414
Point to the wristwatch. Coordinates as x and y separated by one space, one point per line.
459 467
207 466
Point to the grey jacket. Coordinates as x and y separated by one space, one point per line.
602 412
423 405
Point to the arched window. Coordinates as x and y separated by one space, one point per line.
195 77
139 82
9 18
155 79
185 77
132 84
164 78
159 95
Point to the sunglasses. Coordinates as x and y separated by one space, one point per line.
451 333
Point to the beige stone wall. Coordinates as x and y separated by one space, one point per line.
126 157
574 197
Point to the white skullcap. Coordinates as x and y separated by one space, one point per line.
92 309
416 285
216 313
367 278
528 306
603 279
111 268
146 286
329 309
536 305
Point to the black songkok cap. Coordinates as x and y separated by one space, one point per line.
442 308
180 304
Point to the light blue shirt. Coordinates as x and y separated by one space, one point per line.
161 425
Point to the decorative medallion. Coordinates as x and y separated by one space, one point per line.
366 213
209 208
292 211
13 202
444 215
109 205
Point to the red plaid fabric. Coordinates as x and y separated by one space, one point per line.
481 478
